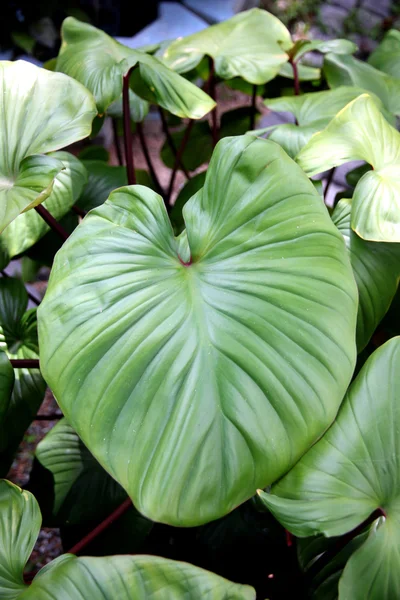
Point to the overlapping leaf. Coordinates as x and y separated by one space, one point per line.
99 62
360 132
313 112
347 70
353 470
29 227
71 578
196 382
41 112
376 269
386 57
251 45
18 338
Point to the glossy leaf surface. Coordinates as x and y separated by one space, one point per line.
41 112
376 269
347 70
251 45
360 132
353 470
236 340
99 62
29 227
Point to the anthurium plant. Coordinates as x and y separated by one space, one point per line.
224 353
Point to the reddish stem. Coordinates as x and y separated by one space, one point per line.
178 160
53 417
116 142
130 167
51 222
79 211
25 363
146 153
328 182
170 140
295 77
101 527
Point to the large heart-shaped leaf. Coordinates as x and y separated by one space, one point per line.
99 62
376 269
386 57
353 470
360 132
29 227
41 112
71 578
313 112
347 70
251 45
18 338
194 368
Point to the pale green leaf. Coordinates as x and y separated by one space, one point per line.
338 46
376 269
198 383
347 70
29 226
360 132
386 57
41 112
251 45
99 62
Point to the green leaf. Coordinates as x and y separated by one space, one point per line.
71 578
18 338
354 176
19 527
347 70
41 111
29 226
353 470
248 334
338 46
250 45
313 112
360 132
6 384
94 152
103 179
23 40
99 62
386 57
376 269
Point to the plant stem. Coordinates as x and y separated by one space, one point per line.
79 211
178 159
170 140
51 222
213 94
253 107
130 167
116 142
295 77
328 182
325 559
142 139
53 417
25 363
101 527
